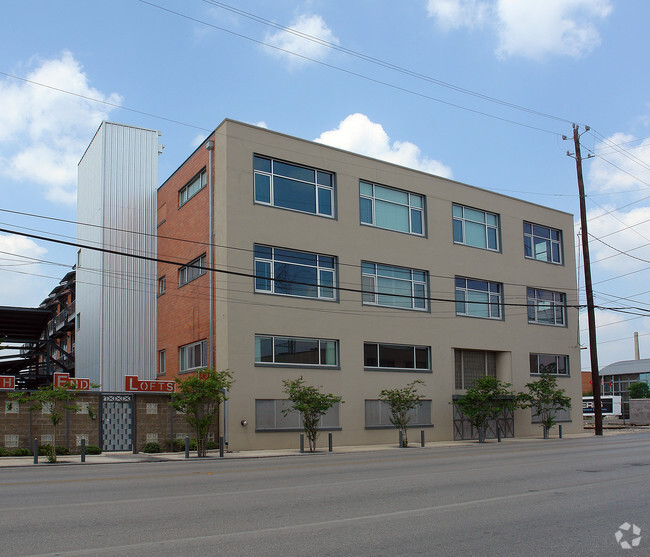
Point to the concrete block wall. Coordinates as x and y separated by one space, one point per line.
155 420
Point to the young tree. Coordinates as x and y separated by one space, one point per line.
639 390
546 399
486 401
311 404
199 398
400 402
57 399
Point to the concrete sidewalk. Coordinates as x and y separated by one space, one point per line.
128 456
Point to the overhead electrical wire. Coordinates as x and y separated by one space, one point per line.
253 276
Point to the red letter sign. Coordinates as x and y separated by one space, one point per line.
132 383
7 382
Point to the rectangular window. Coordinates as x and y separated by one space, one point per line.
294 351
378 415
476 228
269 417
470 365
299 188
295 273
384 285
191 271
162 285
162 362
553 364
560 416
542 243
478 298
194 186
546 307
400 357
193 356
392 209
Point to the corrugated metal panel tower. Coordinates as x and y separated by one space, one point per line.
116 294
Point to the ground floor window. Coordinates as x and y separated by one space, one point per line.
470 365
378 415
563 415
269 416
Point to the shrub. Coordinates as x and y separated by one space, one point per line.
179 444
4 452
211 445
93 449
21 451
639 390
46 450
151 447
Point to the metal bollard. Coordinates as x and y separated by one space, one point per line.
187 446
35 447
83 450
545 432
401 439
221 446
302 442
498 433
422 438
329 442
559 428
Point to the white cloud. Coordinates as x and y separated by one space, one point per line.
622 164
43 132
359 134
305 38
197 140
453 14
17 271
530 28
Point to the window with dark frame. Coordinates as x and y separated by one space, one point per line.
193 270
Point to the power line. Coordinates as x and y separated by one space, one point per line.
352 73
101 101
373 60
254 276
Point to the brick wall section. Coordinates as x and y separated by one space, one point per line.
163 425
183 313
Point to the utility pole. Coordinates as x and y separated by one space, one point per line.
593 352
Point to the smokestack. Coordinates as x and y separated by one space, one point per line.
636 346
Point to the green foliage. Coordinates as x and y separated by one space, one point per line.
21 451
58 399
485 401
179 444
199 397
46 450
546 399
400 402
93 449
151 447
310 403
639 390
4 452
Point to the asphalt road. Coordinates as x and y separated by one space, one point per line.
553 497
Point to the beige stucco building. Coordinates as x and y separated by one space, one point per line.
358 275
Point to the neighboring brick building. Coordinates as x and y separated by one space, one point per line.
358 275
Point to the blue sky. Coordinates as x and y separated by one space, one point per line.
414 82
